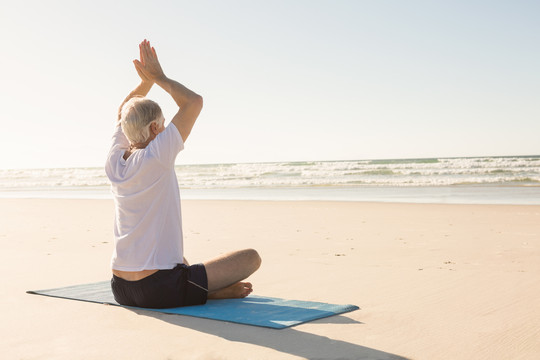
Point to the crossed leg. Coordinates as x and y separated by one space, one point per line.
226 272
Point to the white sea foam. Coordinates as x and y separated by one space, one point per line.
421 172
401 173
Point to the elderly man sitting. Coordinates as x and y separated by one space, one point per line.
148 264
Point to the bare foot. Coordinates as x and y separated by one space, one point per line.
235 291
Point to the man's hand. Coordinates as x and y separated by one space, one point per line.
143 76
148 66
150 72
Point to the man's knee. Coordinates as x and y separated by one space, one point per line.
254 258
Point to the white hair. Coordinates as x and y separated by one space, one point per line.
136 117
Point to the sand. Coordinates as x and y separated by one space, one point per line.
432 281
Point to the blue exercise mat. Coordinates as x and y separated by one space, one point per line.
253 310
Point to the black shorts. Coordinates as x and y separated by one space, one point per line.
182 286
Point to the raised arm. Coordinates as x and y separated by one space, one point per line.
189 103
142 89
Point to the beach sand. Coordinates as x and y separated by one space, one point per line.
432 281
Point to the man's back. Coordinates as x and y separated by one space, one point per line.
148 227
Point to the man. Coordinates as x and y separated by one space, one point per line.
148 264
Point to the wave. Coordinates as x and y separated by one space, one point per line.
384 172
507 171
405 161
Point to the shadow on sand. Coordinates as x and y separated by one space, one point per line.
289 340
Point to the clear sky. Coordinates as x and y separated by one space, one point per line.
281 80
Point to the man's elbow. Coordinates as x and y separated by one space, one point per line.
196 100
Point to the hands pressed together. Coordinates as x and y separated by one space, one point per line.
189 103
148 66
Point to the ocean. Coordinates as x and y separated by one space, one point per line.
468 180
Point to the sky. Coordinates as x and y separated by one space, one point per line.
281 80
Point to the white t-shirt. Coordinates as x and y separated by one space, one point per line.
148 220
